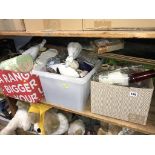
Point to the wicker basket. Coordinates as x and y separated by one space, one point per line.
125 103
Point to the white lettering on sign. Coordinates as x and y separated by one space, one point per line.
34 97
25 76
7 89
22 86
33 83
5 78
29 98
1 80
11 79
40 91
17 76
14 88
133 94
25 87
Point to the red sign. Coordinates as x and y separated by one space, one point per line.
22 86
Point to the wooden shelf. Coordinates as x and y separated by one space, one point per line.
149 128
89 34
128 58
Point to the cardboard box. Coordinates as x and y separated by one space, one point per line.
52 24
12 25
125 103
118 24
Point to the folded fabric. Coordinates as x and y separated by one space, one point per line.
22 63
